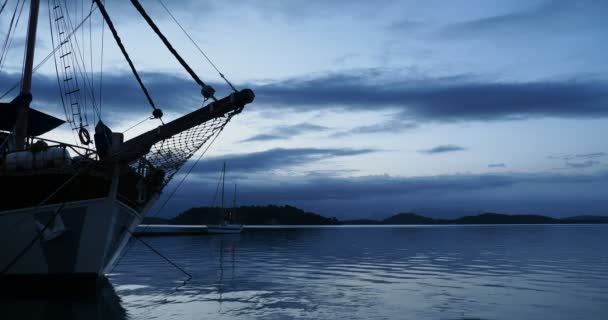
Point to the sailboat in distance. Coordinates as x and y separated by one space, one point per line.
68 210
229 222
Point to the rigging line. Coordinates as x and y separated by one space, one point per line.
49 55
4 45
162 37
3 5
135 125
11 36
82 69
175 189
217 189
106 17
65 110
162 256
103 30
27 248
197 46
40 233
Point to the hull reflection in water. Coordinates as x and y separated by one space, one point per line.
105 305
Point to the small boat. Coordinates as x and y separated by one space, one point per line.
229 224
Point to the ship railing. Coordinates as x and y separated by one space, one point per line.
63 154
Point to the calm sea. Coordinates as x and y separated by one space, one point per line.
409 272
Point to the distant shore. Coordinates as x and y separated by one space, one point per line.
288 215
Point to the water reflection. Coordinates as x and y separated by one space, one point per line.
104 305
525 272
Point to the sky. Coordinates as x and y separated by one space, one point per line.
366 109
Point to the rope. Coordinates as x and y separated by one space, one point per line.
197 46
106 17
9 36
187 173
217 189
172 193
135 125
162 37
41 63
32 242
162 256
65 108
3 5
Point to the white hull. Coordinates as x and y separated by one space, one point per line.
224 228
89 238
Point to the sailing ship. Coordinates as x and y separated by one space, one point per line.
228 224
68 210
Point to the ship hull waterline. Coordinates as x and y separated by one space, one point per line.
82 242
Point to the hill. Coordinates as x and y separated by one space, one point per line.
252 215
288 215
495 218
587 219
410 218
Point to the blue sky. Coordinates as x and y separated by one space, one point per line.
365 109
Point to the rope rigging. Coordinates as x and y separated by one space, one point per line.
11 32
207 91
3 5
197 46
48 56
157 113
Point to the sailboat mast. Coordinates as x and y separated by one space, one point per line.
223 180
25 97
234 198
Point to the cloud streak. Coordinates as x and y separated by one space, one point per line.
443 149
287 132
449 99
459 98
274 159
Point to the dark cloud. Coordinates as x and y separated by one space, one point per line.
550 17
264 137
582 165
443 149
593 155
497 165
461 98
450 99
580 161
273 159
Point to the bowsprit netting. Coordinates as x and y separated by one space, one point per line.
170 154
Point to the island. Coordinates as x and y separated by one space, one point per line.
289 215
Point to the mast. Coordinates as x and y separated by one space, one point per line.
25 97
223 180
234 198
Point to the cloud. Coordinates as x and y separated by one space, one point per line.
448 99
443 149
393 126
286 132
274 159
497 165
580 161
593 155
365 196
582 165
550 17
